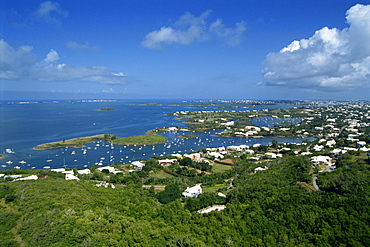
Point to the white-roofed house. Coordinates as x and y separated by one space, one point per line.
317 160
137 165
109 168
32 177
84 171
260 169
193 191
166 162
361 143
71 177
193 156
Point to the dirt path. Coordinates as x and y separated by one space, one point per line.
156 187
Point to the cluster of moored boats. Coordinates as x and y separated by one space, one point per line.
112 154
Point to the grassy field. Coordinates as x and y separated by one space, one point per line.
212 189
220 167
161 174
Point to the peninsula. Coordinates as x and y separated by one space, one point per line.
148 139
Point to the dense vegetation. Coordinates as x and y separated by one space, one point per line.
267 208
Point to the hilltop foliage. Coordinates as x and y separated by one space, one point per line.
266 208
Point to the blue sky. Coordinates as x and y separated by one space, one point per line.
255 49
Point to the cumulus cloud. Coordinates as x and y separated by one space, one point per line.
331 59
21 64
76 46
14 62
50 11
190 28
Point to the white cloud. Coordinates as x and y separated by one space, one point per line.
233 36
76 46
51 57
20 64
190 28
50 11
331 59
14 62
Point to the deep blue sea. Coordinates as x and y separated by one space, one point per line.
25 125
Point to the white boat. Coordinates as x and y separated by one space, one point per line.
49 160
22 162
73 153
9 151
46 167
9 162
17 167
3 165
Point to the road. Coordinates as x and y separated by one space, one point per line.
315 184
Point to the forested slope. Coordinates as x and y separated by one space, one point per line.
267 208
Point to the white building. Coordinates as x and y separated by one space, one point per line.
71 177
360 143
213 208
331 143
260 169
193 191
318 160
166 162
109 168
336 151
58 170
216 155
32 177
193 156
271 155
84 171
137 165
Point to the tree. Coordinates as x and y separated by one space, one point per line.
186 162
275 142
170 193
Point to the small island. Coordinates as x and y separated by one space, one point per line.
148 139
156 104
106 109
186 136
